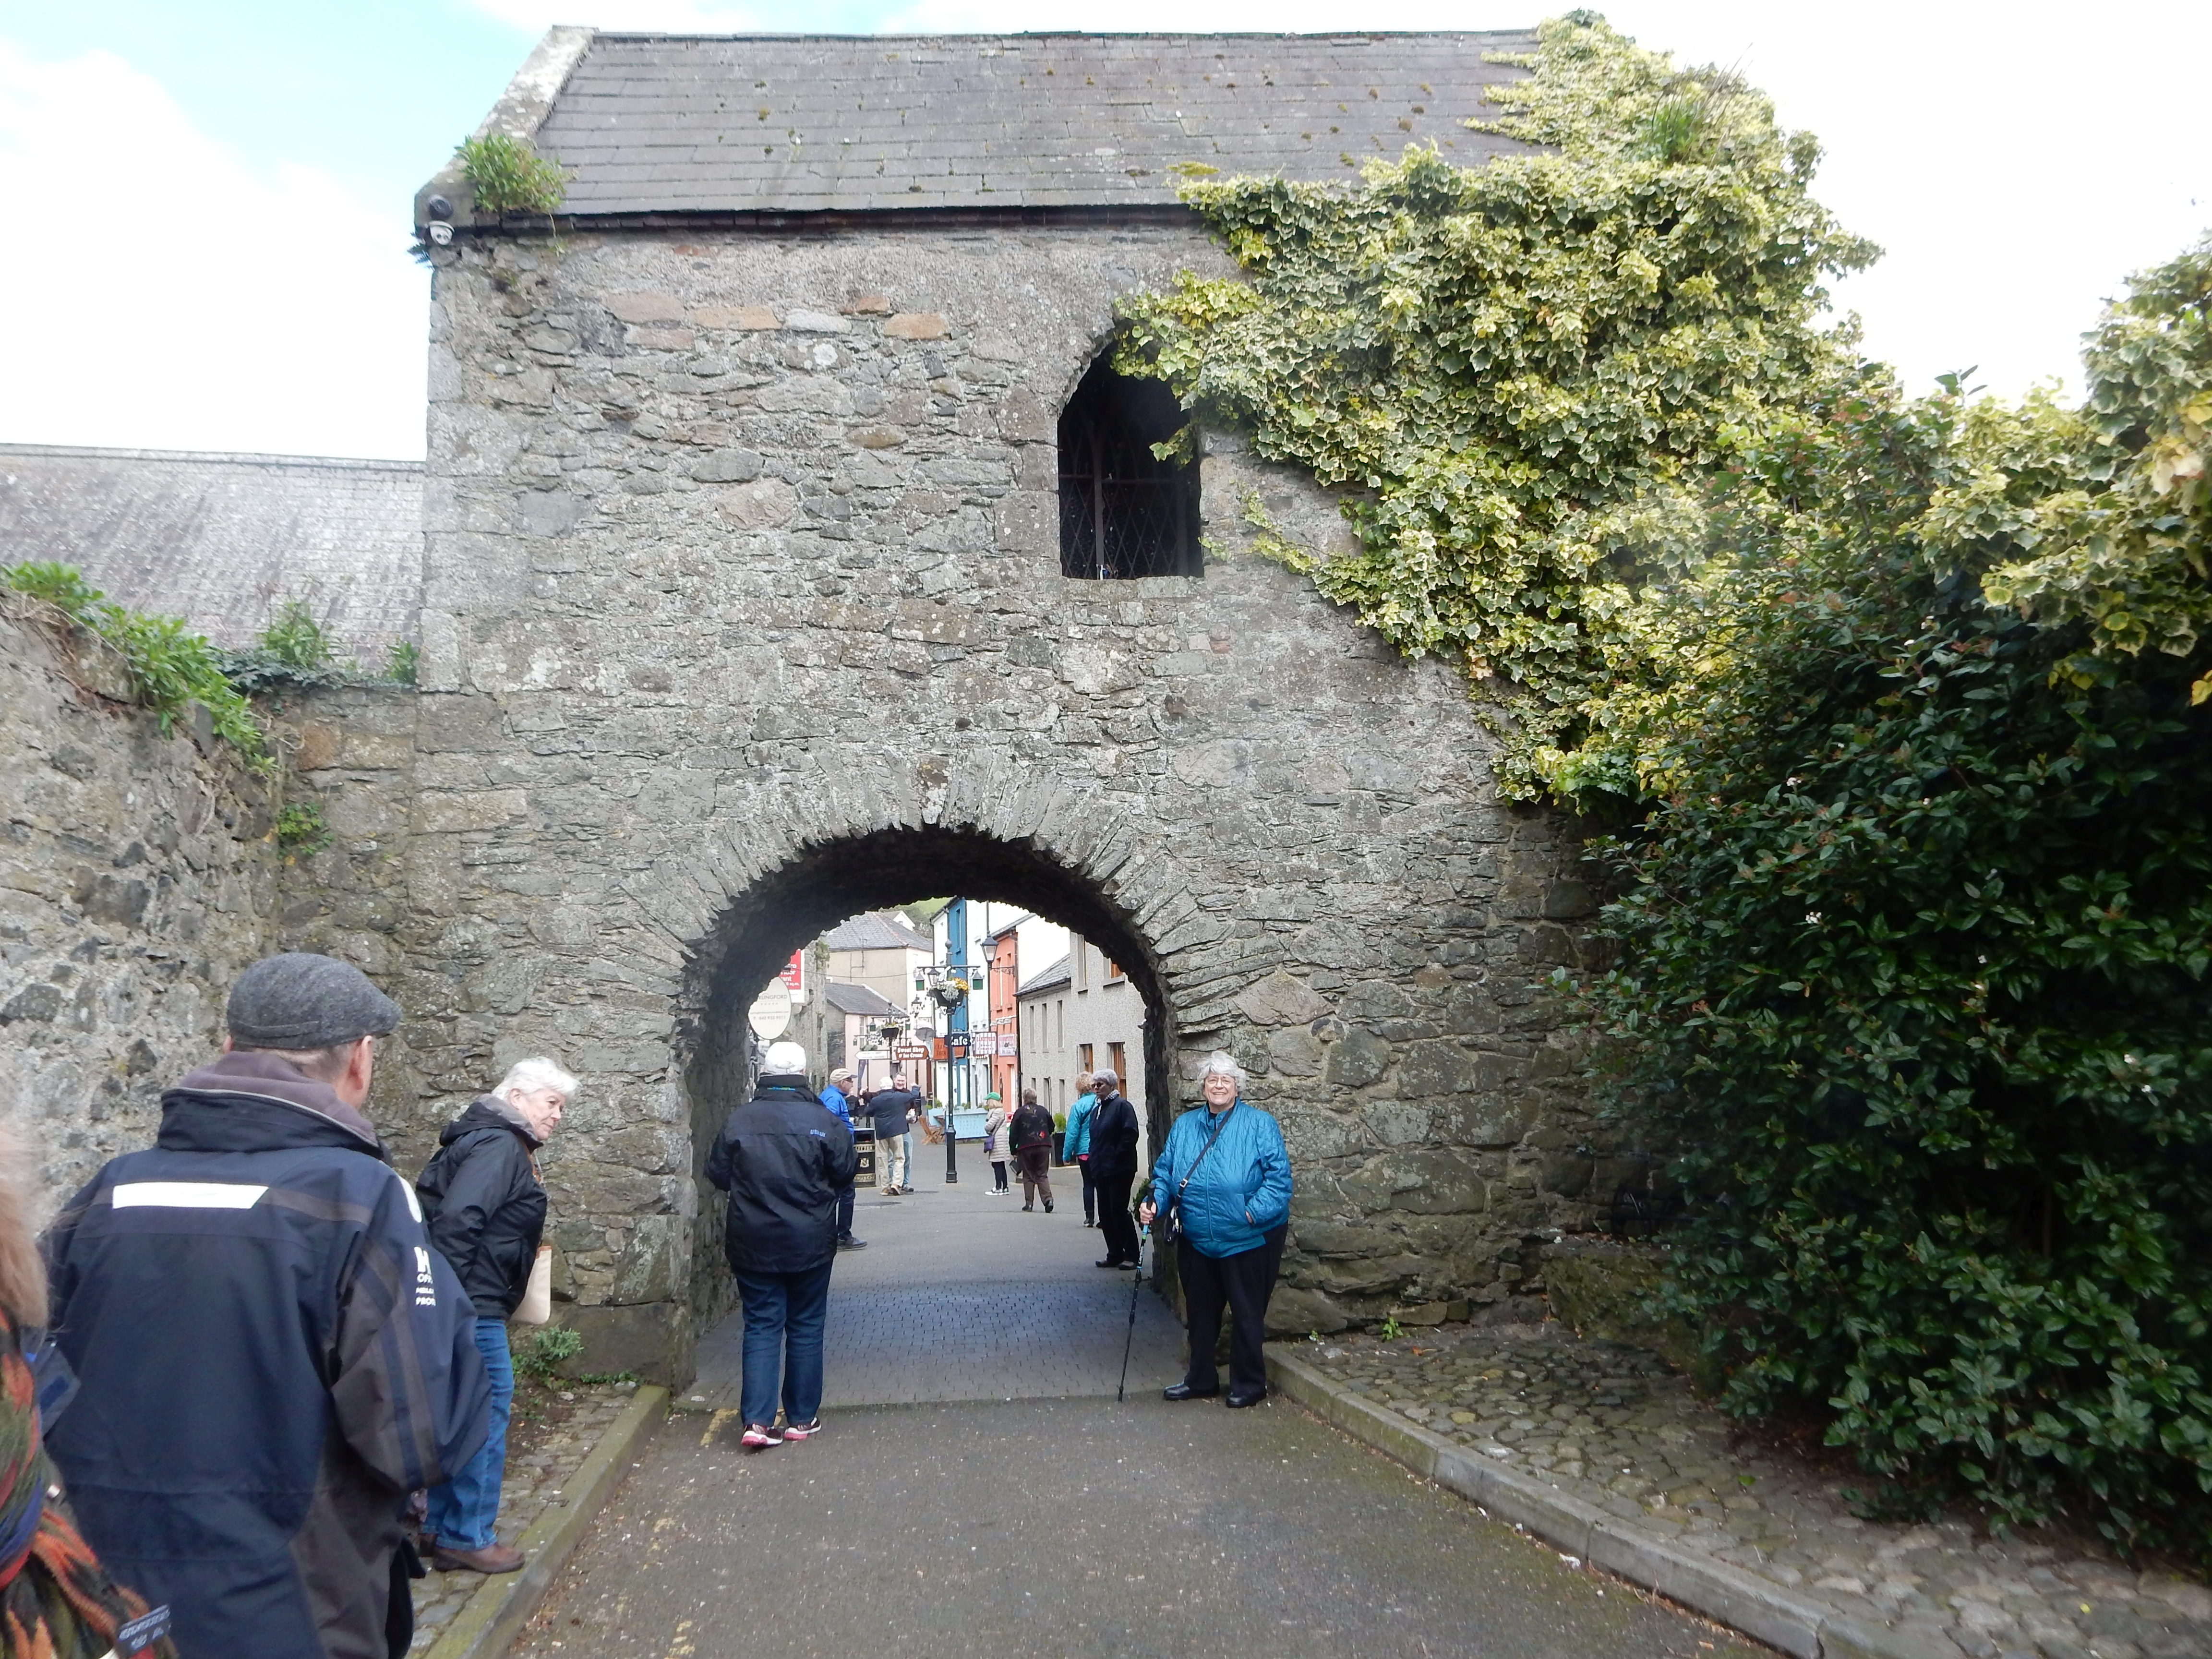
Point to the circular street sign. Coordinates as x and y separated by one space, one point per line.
771 1014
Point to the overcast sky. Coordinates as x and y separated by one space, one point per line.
208 202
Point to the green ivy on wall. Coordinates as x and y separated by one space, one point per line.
1512 367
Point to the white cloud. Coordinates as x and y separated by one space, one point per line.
162 295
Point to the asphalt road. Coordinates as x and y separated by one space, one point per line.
962 1295
1072 1527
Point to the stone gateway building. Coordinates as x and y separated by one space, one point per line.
792 550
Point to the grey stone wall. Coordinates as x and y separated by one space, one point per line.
743 612
138 875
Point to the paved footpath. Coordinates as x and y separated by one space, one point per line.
962 1295
1021 1511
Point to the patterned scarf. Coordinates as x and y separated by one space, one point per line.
56 1601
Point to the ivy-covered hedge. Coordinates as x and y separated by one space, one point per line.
1903 706
1912 958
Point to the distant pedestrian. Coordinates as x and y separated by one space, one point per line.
994 1139
1225 1178
1114 1168
1075 1146
837 1097
891 1108
485 1203
55 1596
783 1158
270 1355
1031 1131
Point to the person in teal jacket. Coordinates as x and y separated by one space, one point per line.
1226 1175
1075 1144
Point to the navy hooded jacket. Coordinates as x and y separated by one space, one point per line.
783 1159
269 1356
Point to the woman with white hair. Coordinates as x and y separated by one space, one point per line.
484 1202
1222 1187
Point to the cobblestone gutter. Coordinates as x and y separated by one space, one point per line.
1606 1453
550 1494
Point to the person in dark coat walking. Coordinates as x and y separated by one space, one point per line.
783 1158
1114 1168
1031 1131
270 1355
892 1108
485 1202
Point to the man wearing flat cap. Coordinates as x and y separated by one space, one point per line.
270 1355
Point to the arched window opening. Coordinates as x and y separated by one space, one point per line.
1124 511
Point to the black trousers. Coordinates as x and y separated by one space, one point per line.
845 1213
1242 1282
1090 1190
1113 1218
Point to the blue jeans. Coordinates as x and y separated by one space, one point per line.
463 1510
784 1315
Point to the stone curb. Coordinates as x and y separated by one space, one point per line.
496 1612
1773 1614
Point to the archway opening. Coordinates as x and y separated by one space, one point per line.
826 884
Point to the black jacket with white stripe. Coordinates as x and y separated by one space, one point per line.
270 1357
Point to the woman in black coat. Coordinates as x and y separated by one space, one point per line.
484 1202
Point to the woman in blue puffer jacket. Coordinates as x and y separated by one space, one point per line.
1225 1175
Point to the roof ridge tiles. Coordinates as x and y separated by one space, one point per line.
1040 104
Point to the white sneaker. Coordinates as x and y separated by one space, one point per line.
757 1437
802 1431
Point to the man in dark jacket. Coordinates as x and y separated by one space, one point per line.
1114 1169
270 1355
783 1158
486 1206
890 1107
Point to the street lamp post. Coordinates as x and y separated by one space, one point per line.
950 993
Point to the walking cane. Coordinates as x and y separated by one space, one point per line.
1129 1341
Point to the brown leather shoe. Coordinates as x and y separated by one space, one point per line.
492 1557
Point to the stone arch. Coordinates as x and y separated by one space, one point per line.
1093 886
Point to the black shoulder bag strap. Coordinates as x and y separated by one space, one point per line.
1171 1222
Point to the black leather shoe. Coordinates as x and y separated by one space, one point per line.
1184 1391
1236 1402
849 1243
1110 1262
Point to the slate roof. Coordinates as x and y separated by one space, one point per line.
875 931
858 999
222 540
687 123
1048 979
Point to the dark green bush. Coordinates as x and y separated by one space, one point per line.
1912 956
292 653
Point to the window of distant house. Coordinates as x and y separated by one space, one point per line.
1113 970
1085 1049
1124 511
1120 1063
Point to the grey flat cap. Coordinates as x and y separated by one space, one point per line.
299 1001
